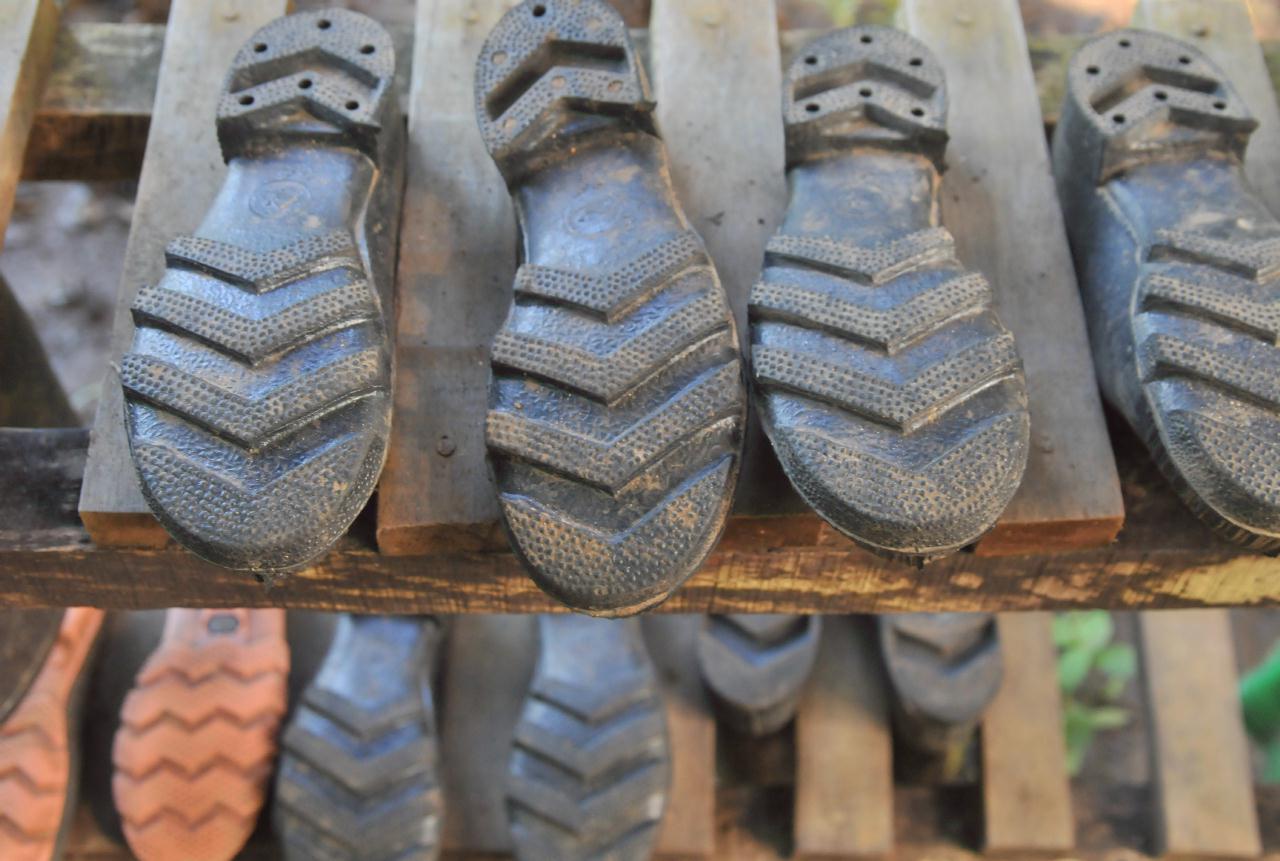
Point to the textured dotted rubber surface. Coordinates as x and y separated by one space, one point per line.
358 777
589 766
257 387
756 665
39 753
891 392
1179 264
197 739
617 401
944 669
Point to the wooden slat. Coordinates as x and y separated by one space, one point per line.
1205 805
27 32
689 823
457 261
181 172
1025 786
844 750
1223 29
96 111
999 200
1164 558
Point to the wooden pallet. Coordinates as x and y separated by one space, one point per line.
435 501
830 792
456 266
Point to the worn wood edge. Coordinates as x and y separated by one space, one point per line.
25 65
1025 785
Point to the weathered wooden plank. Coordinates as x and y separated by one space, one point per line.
1164 558
844 750
180 175
457 261
689 823
999 200
1200 757
1223 29
96 111
1025 786
26 54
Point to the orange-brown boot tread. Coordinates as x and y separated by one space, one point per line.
38 757
197 735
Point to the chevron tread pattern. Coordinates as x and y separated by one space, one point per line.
878 358
358 778
197 738
36 747
264 353
546 65
1138 95
944 670
877 88
334 66
755 666
617 403
589 762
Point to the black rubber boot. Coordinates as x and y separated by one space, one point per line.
589 762
358 774
755 665
617 402
944 670
1178 262
892 394
258 386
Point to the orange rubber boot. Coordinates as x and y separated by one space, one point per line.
197 737
39 748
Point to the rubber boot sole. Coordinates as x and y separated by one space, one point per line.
197 737
944 670
40 749
617 401
1178 261
26 637
893 396
590 764
358 778
756 665
258 385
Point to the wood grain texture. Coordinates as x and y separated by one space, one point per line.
457 261
1223 29
999 201
181 172
1164 558
93 119
26 55
1025 786
844 750
1200 756
689 823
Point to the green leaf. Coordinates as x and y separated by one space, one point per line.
1073 668
1117 661
1108 717
1078 733
1088 629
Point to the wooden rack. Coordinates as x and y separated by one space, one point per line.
432 542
